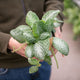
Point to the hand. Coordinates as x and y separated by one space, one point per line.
59 35
58 32
15 44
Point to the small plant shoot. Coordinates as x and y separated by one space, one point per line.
37 34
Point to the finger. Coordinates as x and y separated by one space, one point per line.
51 56
25 46
21 52
55 50
58 32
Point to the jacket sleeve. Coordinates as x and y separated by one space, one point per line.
54 5
4 40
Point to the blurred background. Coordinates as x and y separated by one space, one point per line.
69 66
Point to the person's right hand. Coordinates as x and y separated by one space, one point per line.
16 45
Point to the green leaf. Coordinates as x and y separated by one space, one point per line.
56 24
37 28
41 48
49 53
39 51
33 61
48 60
29 51
31 17
33 69
50 15
29 36
45 35
57 20
45 44
18 35
61 45
23 28
48 25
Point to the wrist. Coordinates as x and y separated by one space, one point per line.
11 43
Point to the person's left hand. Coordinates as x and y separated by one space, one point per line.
59 35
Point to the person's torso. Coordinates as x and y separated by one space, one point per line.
12 12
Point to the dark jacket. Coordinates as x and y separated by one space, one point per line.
12 14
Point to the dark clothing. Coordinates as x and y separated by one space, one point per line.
23 73
12 14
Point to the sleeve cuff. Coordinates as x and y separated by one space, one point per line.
4 40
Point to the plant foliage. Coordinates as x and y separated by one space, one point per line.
38 37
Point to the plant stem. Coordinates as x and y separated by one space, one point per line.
14 50
55 57
51 39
